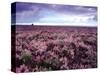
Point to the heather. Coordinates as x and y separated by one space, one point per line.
55 48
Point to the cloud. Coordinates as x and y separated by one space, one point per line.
53 13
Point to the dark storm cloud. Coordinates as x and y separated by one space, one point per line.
20 7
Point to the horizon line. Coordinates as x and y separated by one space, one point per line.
56 24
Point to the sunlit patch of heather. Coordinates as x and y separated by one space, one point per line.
40 46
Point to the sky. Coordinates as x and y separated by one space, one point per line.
53 14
